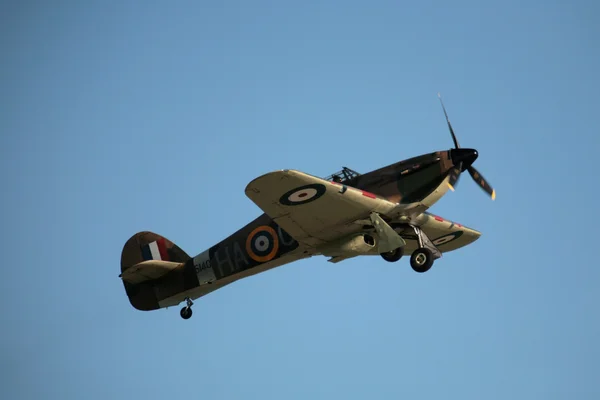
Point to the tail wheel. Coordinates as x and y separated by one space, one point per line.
421 260
394 255
186 312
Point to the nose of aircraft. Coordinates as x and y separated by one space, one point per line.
466 156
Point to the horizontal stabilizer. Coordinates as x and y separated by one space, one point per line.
148 270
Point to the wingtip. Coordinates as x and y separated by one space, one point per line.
265 175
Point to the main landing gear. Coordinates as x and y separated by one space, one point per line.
186 312
422 258
394 255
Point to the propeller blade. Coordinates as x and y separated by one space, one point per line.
456 145
454 175
480 180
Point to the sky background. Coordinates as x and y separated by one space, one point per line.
117 117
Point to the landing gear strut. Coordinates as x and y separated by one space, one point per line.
423 257
186 312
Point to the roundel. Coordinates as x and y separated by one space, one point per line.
262 244
303 194
447 238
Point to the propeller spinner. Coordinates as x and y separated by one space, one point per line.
463 160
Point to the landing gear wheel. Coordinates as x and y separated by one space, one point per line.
421 260
394 255
186 312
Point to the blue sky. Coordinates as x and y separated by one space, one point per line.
127 116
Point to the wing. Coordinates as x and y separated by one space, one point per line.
445 235
312 210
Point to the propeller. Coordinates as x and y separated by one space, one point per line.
463 159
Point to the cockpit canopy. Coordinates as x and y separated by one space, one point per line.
346 174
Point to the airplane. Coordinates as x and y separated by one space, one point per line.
345 215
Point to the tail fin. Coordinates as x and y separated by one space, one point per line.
147 256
